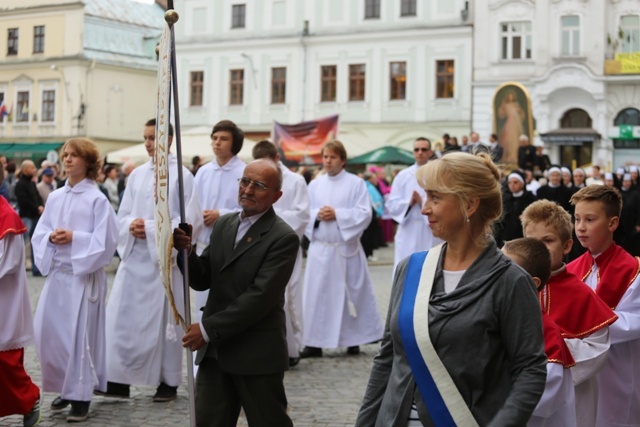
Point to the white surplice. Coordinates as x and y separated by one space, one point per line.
293 208
556 407
70 317
619 380
217 188
16 323
413 233
340 309
590 355
143 342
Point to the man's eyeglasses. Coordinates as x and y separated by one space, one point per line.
421 149
257 185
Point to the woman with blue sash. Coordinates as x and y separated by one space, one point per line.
463 342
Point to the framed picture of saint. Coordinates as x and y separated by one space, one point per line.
512 117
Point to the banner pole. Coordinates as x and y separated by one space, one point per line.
172 17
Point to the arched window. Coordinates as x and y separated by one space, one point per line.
576 118
627 117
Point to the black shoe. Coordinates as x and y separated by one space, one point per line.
79 411
353 350
308 352
32 418
114 390
293 361
59 403
165 393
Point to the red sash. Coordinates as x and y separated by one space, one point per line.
616 272
10 221
573 306
554 346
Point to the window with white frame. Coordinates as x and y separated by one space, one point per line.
328 82
357 76
278 85
47 113
445 77
238 13
12 41
397 80
38 39
570 28
408 7
371 9
516 40
22 115
236 87
196 88
630 28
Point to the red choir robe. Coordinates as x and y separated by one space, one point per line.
573 306
613 275
18 393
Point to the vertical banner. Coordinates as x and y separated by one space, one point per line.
302 143
162 216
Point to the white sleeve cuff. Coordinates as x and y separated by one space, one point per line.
204 333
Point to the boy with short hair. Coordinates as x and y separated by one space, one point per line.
557 405
581 315
613 274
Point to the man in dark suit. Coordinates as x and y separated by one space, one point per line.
495 149
241 342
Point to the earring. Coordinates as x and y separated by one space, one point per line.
468 219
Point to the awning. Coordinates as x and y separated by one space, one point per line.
388 154
571 136
19 150
195 142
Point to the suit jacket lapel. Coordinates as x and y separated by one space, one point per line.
229 237
251 238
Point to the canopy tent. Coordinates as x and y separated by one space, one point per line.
387 154
195 142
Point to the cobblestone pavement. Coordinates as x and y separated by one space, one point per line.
323 392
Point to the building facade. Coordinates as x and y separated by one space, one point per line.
74 68
392 70
576 60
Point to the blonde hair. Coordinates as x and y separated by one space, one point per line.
87 150
467 176
551 214
610 198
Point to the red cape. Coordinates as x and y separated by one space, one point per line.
554 346
616 272
10 222
573 306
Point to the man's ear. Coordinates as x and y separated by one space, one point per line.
537 282
613 223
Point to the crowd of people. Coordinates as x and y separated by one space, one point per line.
552 319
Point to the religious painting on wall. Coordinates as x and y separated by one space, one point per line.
302 143
512 117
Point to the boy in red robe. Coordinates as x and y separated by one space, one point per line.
18 394
581 315
557 404
613 274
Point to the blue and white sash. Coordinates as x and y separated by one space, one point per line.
441 396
